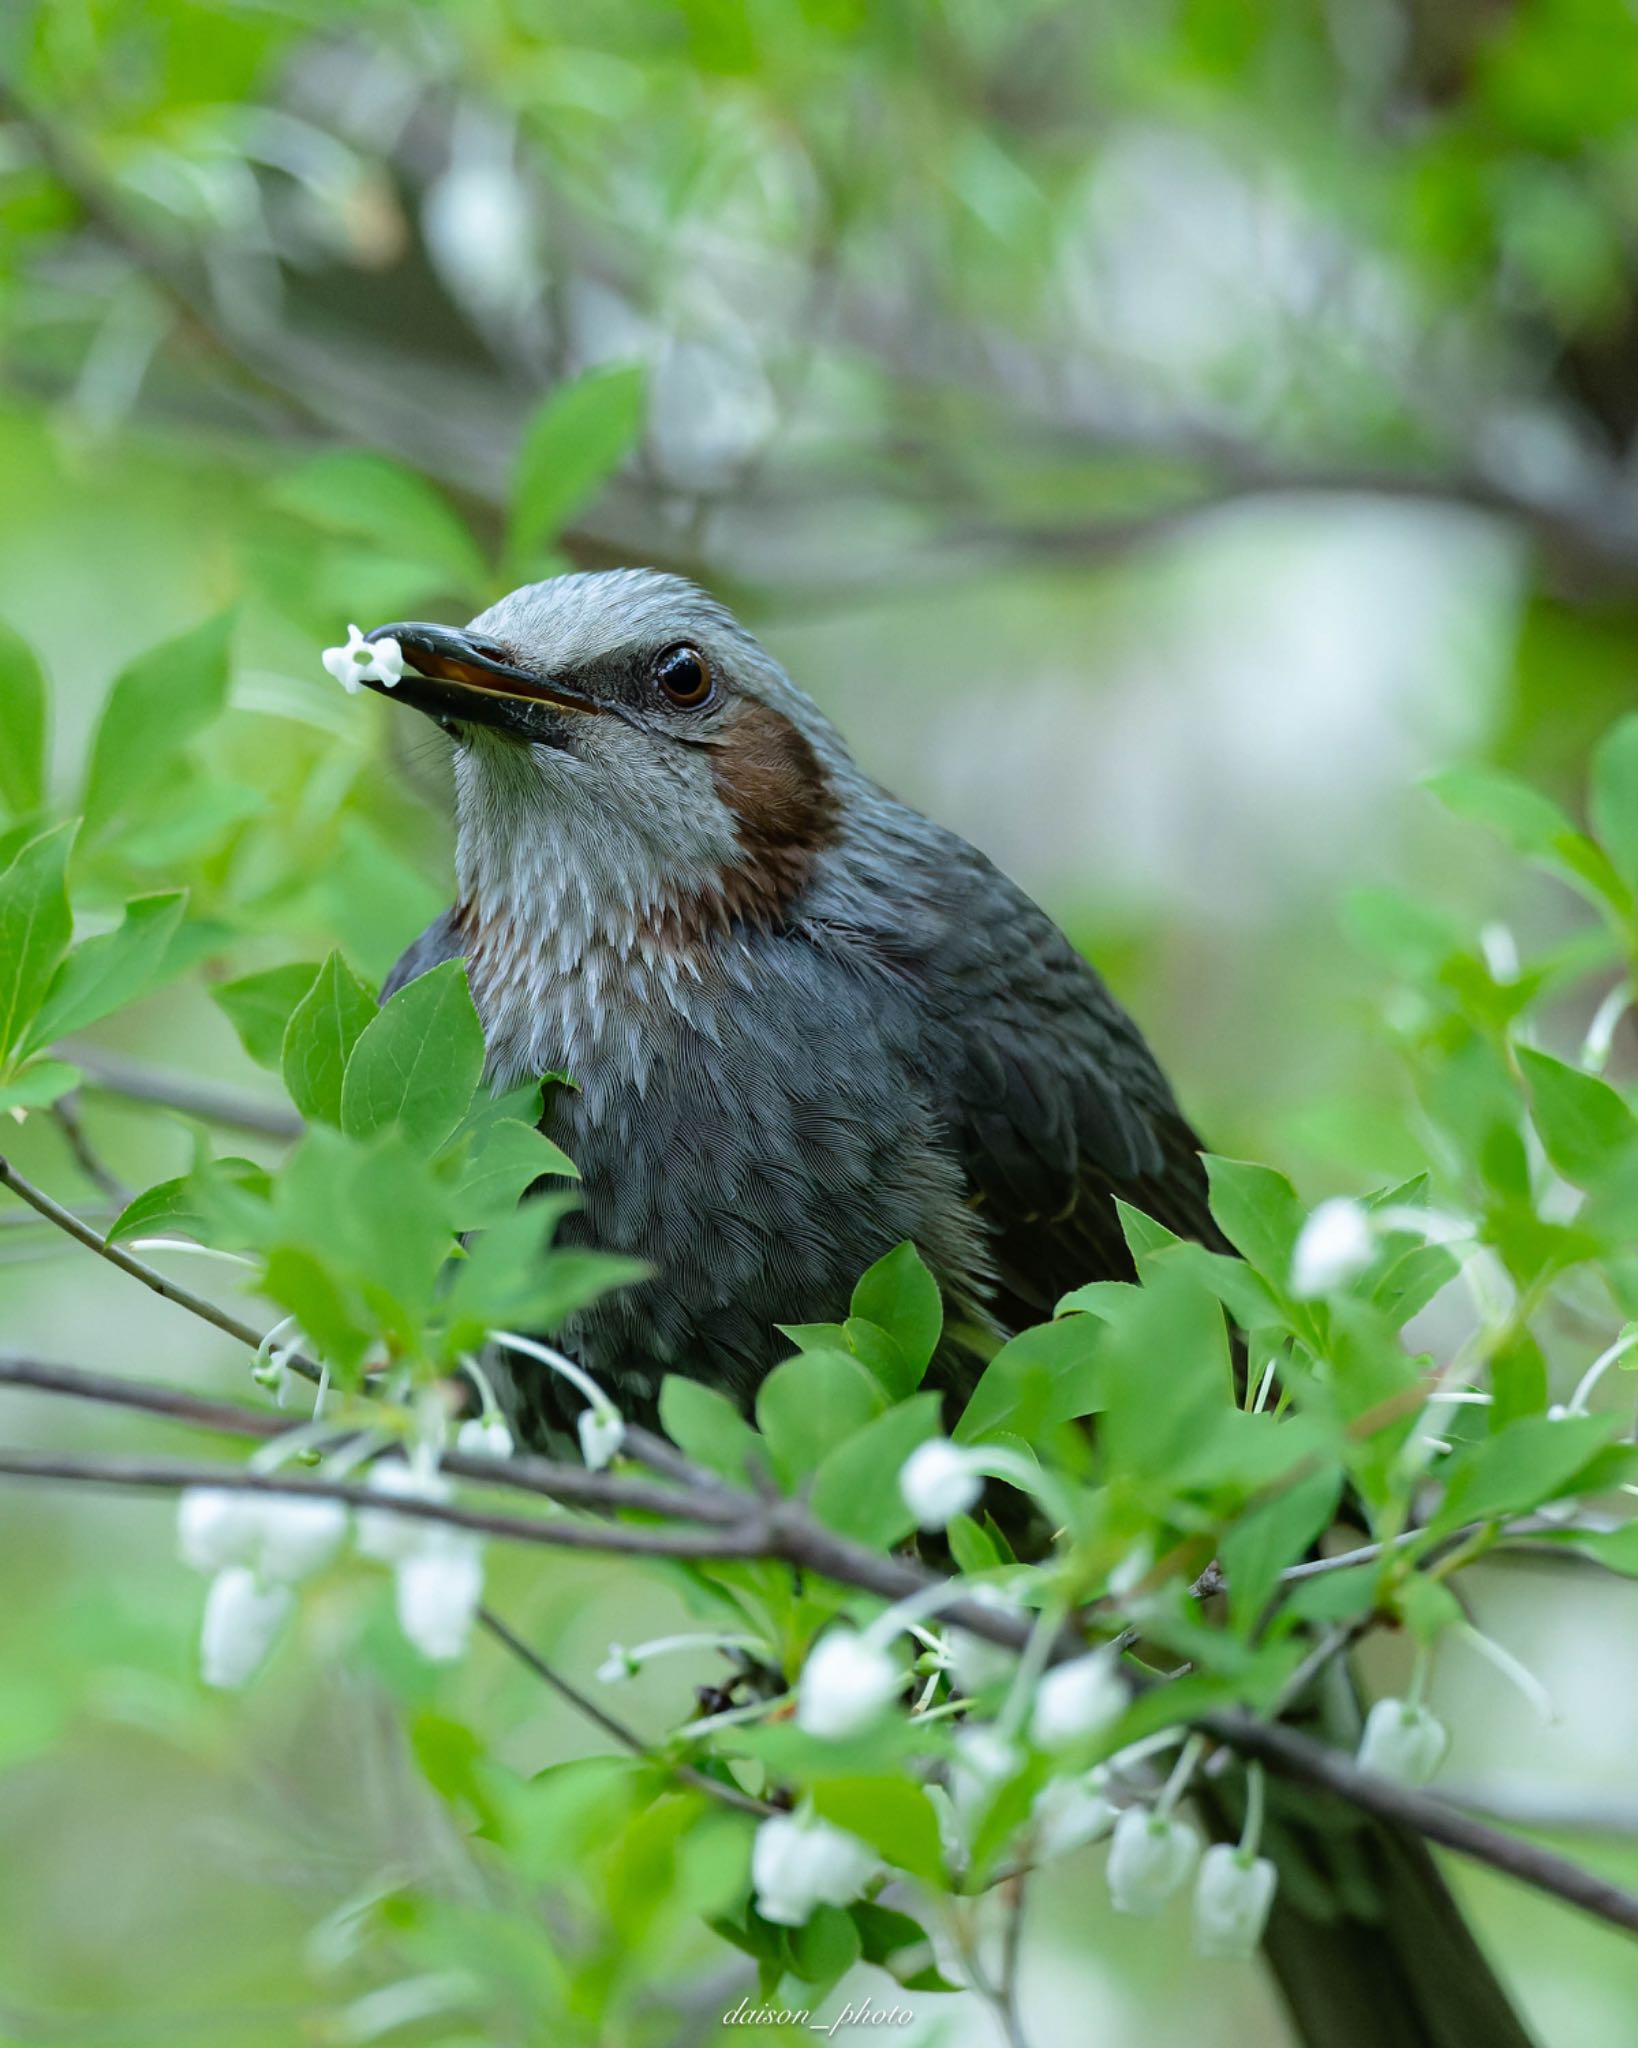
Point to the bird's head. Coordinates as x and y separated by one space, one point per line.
626 727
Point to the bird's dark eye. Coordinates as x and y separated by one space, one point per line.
684 676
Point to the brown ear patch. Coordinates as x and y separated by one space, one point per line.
768 775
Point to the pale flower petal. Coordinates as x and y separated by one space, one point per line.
439 1586
845 1684
1403 1741
298 1535
602 1432
242 1620
799 1862
1333 1247
217 1526
1078 1700
1232 1898
1150 1859
388 1537
938 1481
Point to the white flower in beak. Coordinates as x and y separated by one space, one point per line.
365 661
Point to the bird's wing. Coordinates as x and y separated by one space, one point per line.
1054 1104
438 943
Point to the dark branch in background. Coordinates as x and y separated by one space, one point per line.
107 1073
65 1114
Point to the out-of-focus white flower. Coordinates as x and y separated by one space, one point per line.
1232 1897
602 1432
845 1684
1077 1700
217 1526
799 1861
617 1666
383 1535
939 1480
983 1761
977 1661
1070 1812
1150 1857
1403 1741
298 1535
1333 1246
439 1586
365 661
242 1618
484 1436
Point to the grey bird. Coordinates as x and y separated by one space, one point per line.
803 1024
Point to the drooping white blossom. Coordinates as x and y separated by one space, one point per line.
365 661
484 1436
1078 1700
602 1432
939 1480
217 1526
1232 1898
1150 1858
1069 1812
299 1535
1333 1247
383 1535
242 1620
799 1862
977 1661
1403 1741
845 1684
439 1584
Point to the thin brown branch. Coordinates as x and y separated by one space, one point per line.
628 1738
66 1115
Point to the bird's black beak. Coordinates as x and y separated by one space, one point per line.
458 677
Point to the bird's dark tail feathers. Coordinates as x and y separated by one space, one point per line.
1368 1946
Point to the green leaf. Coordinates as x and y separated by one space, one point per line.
1533 825
1044 1376
1614 797
856 1486
155 707
260 1006
893 1815
167 1207
354 491
323 1029
417 1063
503 1161
900 1296
38 1084
1271 1536
809 1404
1585 1126
1258 1212
882 1356
1615 1549
575 441
1528 1462
512 1280
35 926
105 973
23 723
706 1426
825 1947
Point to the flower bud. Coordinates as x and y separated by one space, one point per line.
617 1666
799 1861
1332 1248
439 1584
484 1436
1232 1897
1070 1812
298 1536
938 1481
217 1526
388 1537
1149 1859
1078 1700
845 1684
1403 1741
602 1432
242 1618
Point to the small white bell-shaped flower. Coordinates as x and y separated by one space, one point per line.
1078 1700
383 1535
1403 1741
439 1584
1333 1247
845 1684
1150 1858
217 1526
242 1619
977 1661
365 661
1070 1812
939 1480
799 1862
298 1535
1232 1898
602 1432
484 1436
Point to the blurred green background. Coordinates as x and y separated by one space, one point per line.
1157 433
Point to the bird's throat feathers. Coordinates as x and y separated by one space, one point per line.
594 886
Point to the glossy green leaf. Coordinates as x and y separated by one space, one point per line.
417 1062
900 1296
500 1166
1258 1212
893 1815
811 1402
35 926
1585 1127
155 707
260 1006
706 1426
38 1084
1528 1462
319 1038
1272 1535
356 491
575 441
115 968
1043 1377
856 1485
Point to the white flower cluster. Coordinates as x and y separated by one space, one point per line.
365 661
799 1862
